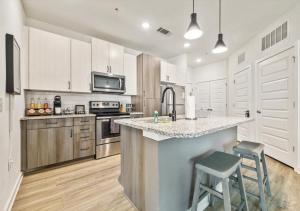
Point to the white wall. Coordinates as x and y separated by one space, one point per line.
213 71
11 21
253 53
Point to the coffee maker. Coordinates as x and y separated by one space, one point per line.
57 105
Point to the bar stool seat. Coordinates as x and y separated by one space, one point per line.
219 164
251 148
223 166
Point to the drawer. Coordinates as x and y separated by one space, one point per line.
84 132
84 148
49 123
106 150
84 120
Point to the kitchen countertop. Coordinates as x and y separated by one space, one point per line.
183 128
57 116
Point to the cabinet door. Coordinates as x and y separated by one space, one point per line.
163 71
49 146
151 105
130 72
100 55
80 66
151 77
64 144
171 73
116 56
49 61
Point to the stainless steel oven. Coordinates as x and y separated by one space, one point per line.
107 131
104 82
108 136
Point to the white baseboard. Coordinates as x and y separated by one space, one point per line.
13 195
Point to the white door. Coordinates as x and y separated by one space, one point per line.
275 118
242 100
218 93
116 59
49 61
100 55
202 93
80 66
130 72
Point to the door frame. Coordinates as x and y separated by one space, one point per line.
295 134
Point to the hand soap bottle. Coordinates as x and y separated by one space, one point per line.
155 116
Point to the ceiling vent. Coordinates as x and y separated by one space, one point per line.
274 37
164 31
241 58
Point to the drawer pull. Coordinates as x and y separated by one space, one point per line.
82 140
84 129
83 121
51 123
85 137
85 149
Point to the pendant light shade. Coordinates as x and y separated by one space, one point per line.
220 46
193 31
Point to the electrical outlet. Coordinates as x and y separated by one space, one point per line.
1 104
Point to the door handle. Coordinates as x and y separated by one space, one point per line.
258 111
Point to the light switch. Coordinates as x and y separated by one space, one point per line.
1 104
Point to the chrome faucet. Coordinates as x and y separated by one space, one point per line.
173 114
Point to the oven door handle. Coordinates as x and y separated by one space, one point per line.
104 120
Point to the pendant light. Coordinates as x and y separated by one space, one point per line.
220 46
193 31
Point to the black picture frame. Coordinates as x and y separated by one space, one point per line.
79 109
13 65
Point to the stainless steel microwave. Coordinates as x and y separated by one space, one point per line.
104 82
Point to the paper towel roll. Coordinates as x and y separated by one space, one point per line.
190 110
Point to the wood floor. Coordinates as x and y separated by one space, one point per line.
93 185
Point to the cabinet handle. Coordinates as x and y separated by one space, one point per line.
109 69
71 135
84 149
84 137
84 129
51 123
69 85
83 121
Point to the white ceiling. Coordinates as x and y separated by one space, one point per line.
242 19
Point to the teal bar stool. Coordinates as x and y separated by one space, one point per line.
222 166
255 151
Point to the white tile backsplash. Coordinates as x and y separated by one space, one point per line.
72 99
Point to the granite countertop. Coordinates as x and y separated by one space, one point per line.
57 116
183 128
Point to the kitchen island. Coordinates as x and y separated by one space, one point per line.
157 159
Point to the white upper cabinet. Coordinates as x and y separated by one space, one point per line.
130 72
80 66
116 59
100 55
107 57
49 61
167 72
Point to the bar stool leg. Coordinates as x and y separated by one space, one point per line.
226 194
266 174
260 185
242 188
196 192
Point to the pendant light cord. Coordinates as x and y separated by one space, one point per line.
220 16
193 6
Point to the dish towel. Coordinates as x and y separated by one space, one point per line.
114 127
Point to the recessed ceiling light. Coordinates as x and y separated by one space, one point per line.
145 25
198 60
186 45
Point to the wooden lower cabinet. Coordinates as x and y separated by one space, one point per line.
49 146
52 141
84 140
